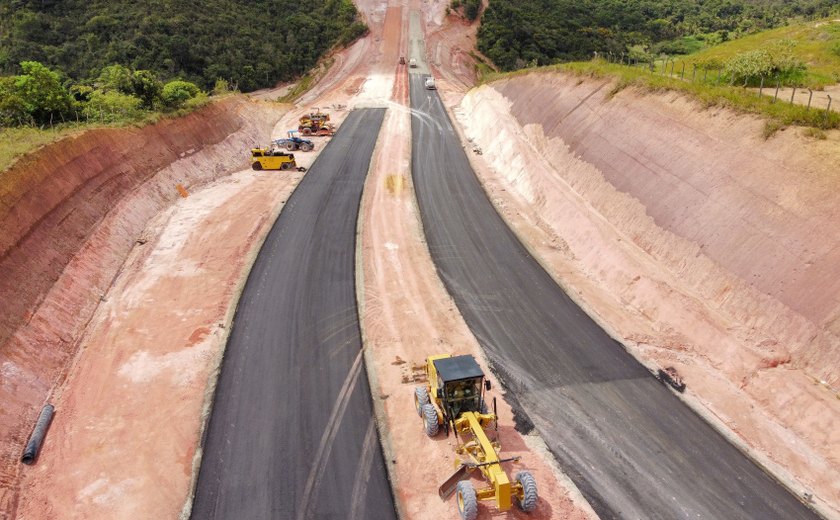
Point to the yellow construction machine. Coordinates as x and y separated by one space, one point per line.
454 397
272 159
316 123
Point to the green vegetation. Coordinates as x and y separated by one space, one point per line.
779 114
17 141
250 44
520 33
808 54
38 96
471 8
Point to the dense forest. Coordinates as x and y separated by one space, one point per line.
519 33
250 44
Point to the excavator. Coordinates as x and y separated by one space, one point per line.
454 397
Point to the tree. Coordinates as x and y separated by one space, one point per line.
111 106
115 77
176 93
147 87
12 107
43 95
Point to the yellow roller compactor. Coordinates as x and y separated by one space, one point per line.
454 398
273 159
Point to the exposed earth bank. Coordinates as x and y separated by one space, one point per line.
70 214
694 240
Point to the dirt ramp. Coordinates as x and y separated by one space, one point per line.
69 216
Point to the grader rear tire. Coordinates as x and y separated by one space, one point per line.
466 500
430 420
529 490
421 397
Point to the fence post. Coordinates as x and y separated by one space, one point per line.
828 108
693 72
810 95
778 84
761 87
682 71
792 93
718 78
705 73
664 65
673 64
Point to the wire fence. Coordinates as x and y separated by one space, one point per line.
772 86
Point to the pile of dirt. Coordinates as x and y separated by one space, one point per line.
697 242
69 216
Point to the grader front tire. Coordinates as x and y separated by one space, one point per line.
529 491
430 420
467 500
421 397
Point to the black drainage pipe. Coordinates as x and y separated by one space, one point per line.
37 437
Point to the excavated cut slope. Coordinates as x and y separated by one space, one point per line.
698 242
69 216
765 212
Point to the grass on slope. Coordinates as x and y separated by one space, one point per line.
817 44
778 114
17 141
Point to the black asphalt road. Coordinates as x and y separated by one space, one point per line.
630 445
292 434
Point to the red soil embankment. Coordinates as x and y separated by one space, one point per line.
694 239
69 216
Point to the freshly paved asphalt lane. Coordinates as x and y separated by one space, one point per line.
292 434
632 447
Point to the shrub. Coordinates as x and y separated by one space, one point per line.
110 107
176 93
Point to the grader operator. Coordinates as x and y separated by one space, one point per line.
454 397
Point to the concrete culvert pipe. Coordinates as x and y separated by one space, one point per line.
30 453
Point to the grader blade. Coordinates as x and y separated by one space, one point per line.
447 488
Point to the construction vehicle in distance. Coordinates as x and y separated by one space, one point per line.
454 397
430 83
293 142
273 159
316 123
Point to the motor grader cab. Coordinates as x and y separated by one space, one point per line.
454 397
272 159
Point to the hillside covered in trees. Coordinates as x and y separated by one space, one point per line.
518 33
250 44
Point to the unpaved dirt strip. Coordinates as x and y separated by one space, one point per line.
633 448
291 417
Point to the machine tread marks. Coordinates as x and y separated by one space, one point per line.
467 500
430 420
529 489
421 398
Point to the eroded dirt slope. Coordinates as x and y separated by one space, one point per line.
691 238
71 214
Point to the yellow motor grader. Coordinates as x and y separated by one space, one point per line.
454 397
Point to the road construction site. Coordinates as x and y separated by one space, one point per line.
226 341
